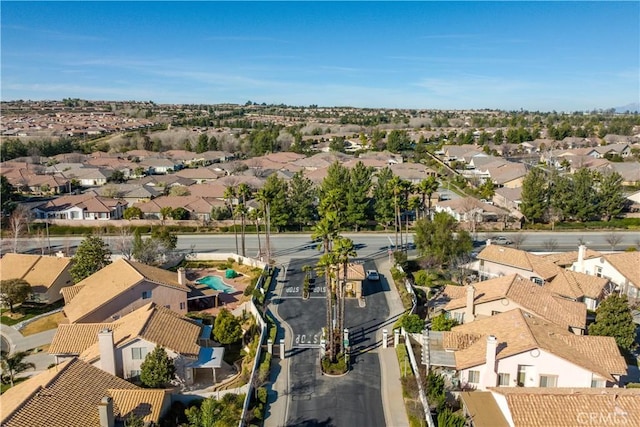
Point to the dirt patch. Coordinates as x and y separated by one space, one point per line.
44 324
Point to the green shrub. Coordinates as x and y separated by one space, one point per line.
262 395
265 367
334 368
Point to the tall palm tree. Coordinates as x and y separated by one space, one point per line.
230 196
327 229
14 364
254 215
325 268
241 211
265 197
344 250
427 187
396 188
244 193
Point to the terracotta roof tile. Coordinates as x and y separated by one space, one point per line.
37 270
68 395
576 285
114 279
520 259
155 324
518 332
533 298
628 264
564 407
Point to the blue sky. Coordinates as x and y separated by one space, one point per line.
445 55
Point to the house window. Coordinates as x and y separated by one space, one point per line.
597 382
503 379
522 375
134 373
138 353
146 294
599 271
474 377
183 305
494 312
548 380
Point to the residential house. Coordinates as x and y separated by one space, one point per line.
200 175
622 269
496 260
198 207
546 407
76 394
131 193
159 166
412 172
590 290
47 275
120 347
485 299
86 206
470 209
516 348
122 287
508 198
453 153
88 177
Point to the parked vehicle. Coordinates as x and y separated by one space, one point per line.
501 240
373 275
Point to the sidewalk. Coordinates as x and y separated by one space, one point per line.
395 413
278 396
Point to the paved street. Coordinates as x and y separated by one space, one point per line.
315 399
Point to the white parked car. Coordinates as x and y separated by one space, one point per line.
373 275
501 240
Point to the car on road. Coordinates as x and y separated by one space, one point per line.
501 240
373 275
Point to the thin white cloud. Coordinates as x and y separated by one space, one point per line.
56 35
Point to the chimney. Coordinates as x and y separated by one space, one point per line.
107 351
582 250
105 409
490 377
182 276
469 315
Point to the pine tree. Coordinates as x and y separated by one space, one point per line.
534 195
92 255
614 319
158 369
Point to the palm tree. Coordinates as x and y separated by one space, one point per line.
326 229
254 215
266 197
230 195
165 212
14 364
244 193
344 250
427 187
325 267
396 188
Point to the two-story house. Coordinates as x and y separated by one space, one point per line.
121 346
622 269
494 296
518 349
122 287
496 260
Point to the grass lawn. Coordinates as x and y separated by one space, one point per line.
44 324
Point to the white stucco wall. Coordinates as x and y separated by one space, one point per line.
543 363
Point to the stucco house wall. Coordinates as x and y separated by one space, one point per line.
540 362
131 299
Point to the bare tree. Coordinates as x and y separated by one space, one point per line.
18 221
518 240
614 239
123 242
550 245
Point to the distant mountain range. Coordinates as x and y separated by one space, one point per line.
633 107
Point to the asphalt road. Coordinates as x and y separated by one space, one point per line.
369 245
316 400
